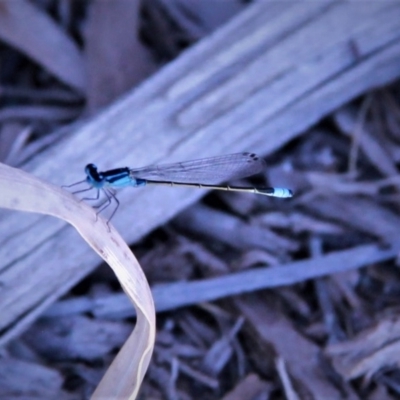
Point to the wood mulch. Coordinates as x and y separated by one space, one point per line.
257 298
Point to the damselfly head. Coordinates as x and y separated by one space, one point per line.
92 175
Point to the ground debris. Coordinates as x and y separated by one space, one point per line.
257 298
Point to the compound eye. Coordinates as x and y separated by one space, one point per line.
92 174
90 169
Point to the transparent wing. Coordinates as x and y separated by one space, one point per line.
212 170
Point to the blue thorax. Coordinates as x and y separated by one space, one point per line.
115 178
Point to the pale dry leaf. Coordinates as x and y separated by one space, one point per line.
23 192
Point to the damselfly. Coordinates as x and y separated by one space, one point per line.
206 173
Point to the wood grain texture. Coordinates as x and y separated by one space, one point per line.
255 84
